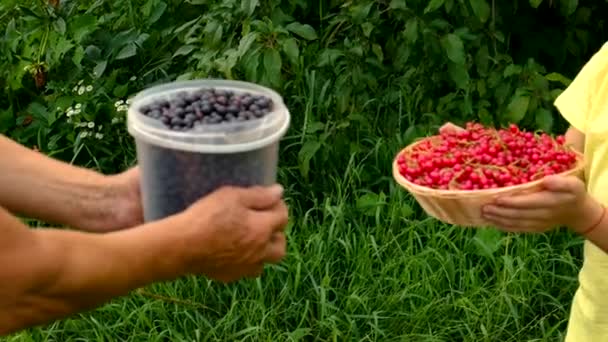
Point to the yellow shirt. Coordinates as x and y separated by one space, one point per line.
584 104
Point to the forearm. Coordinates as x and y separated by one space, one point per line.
576 139
51 274
38 186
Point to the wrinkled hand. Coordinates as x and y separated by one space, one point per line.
564 201
233 232
127 211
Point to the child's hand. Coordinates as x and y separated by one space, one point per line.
564 201
450 128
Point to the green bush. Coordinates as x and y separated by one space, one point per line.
391 67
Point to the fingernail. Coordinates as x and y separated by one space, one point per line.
277 190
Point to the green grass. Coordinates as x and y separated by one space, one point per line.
364 263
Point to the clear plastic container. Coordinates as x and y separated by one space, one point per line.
180 167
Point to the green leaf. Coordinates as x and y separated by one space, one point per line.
433 6
251 64
487 242
59 26
248 6
127 51
459 74
183 50
361 12
6 119
369 203
512 69
377 50
481 9
121 90
303 30
272 66
398 4
544 120
482 58
454 48
556 77
246 42
535 3
406 210
518 107
367 28
411 30
100 68
82 26
568 7
290 47
158 12
37 110
307 152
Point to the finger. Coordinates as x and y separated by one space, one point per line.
561 184
516 225
510 225
269 221
450 128
517 213
541 199
276 249
260 198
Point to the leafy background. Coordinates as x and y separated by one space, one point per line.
361 79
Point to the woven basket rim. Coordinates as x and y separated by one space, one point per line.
422 190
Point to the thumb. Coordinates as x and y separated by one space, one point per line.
260 198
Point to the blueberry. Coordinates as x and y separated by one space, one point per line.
206 109
233 109
176 179
185 110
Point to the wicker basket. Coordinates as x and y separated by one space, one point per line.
464 207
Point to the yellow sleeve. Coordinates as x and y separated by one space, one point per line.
575 103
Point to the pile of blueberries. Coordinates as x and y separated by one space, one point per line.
187 110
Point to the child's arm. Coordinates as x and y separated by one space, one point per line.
576 138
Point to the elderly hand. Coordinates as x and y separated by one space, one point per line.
233 232
126 211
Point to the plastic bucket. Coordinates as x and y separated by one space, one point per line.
179 167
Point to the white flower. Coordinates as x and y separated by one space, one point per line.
118 103
89 88
99 136
99 127
84 134
75 89
123 108
58 108
128 101
69 109
80 82
78 105
77 111
133 78
91 124
81 90
70 113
